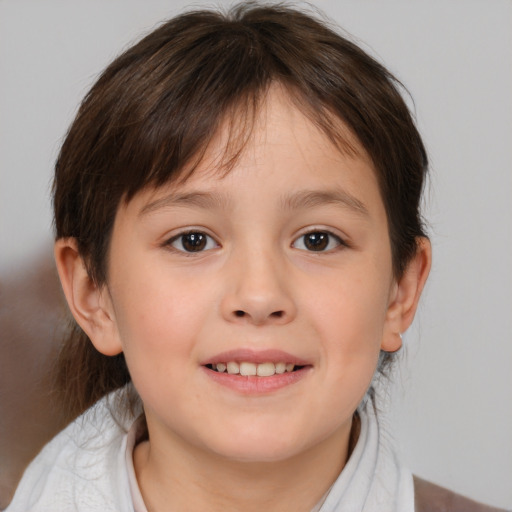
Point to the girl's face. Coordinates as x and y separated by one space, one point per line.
284 261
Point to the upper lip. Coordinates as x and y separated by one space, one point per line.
255 356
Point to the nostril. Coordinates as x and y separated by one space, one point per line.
240 313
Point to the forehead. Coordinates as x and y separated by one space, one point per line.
281 116
281 147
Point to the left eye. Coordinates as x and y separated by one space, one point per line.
194 241
317 241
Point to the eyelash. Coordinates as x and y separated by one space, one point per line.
326 236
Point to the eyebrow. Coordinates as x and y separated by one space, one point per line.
299 200
204 200
312 198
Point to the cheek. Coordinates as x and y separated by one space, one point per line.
148 296
349 319
351 309
159 318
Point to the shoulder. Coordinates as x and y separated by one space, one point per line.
80 469
429 497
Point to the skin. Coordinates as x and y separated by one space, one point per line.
256 285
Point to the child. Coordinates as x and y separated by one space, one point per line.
239 241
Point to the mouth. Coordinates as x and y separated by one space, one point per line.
256 372
250 369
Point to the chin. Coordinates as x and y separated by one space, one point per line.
261 447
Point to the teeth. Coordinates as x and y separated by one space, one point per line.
266 369
250 369
232 367
280 367
247 369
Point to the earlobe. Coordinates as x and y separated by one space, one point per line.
90 305
406 296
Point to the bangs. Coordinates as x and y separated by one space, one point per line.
235 124
189 100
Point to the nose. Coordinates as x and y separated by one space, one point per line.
258 290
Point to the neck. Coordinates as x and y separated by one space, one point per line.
181 477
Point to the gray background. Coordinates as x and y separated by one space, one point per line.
451 401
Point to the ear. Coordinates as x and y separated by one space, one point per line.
405 296
90 304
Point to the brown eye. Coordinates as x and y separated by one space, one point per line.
194 241
317 241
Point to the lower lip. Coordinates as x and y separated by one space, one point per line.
252 385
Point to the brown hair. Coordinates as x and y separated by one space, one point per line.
153 111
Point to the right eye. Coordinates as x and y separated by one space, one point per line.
192 241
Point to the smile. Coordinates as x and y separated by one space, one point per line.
260 372
247 368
